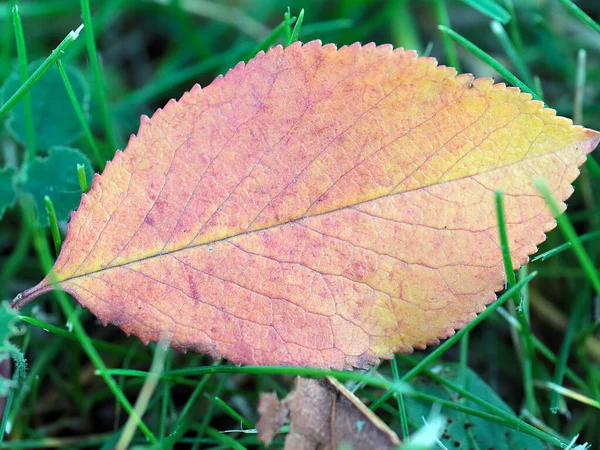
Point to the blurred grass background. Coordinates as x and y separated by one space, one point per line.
151 51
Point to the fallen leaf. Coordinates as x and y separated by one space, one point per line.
323 415
317 207
56 177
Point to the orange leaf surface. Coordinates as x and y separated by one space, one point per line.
317 207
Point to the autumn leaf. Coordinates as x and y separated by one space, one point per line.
323 415
317 207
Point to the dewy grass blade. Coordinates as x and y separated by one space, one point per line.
439 351
22 54
483 56
44 67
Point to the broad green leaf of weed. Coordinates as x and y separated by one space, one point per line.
56 177
7 189
55 120
464 431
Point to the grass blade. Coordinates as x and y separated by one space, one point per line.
44 67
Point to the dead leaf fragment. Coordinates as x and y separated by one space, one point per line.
317 207
323 415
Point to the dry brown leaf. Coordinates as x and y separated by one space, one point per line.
323 415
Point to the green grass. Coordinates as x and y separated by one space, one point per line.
92 387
